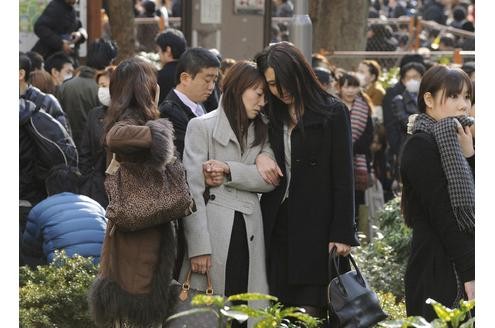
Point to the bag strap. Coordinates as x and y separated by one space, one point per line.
187 285
333 259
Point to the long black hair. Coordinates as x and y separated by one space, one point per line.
293 75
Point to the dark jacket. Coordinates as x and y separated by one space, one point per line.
92 157
391 129
65 221
403 105
43 144
321 191
437 243
57 21
166 79
77 97
179 114
31 184
136 267
49 103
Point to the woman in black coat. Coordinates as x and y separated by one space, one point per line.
313 204
437 170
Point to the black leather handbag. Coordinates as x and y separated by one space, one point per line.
351 303
181 296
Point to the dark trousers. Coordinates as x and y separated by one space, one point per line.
237 267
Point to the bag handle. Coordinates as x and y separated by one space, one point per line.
187 285
332 260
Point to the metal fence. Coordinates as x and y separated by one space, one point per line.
388 39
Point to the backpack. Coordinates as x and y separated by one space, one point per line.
54 145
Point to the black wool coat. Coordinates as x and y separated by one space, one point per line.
92 157
57 21
321 191
437 243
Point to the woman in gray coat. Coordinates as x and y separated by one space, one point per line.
221 153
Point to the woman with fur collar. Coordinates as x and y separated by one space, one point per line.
132 286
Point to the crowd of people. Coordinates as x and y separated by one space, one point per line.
280 155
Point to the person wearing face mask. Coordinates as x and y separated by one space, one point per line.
92 158
438 197
80 94
406 103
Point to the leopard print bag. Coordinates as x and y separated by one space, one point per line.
141 196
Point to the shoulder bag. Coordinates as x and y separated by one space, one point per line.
142 196
351 303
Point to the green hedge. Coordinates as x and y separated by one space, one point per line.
56 295
383 261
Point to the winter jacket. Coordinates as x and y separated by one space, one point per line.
77 97
403 106
92 157
209 229
321 191
31 183
179 114
55 24
136 267
442 257
65 221
49 103
166 79
44 144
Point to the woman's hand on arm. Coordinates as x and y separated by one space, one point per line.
268 169
214 172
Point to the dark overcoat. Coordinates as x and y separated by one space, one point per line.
442 257
321 191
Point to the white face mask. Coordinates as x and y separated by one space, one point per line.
362 79
104 96
67 77
413 85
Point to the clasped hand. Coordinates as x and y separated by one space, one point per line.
214 172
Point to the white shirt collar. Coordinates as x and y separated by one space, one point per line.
196 108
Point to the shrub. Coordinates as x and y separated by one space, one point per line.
383 261
56 295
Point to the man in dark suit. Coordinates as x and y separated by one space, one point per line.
196 74
171 45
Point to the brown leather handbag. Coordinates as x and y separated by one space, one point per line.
181 296
141 196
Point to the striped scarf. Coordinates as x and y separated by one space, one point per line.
359 118
460 182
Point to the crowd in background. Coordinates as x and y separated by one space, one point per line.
64 104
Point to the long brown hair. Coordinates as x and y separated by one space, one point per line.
242 76
132 91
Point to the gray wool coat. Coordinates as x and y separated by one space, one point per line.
208 230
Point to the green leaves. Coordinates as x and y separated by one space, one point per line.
447 318
454 316
56 295
252 297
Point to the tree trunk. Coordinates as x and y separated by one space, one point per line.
121 18
339 25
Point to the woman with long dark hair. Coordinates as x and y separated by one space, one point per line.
311 211
437 171
132 285
225 235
